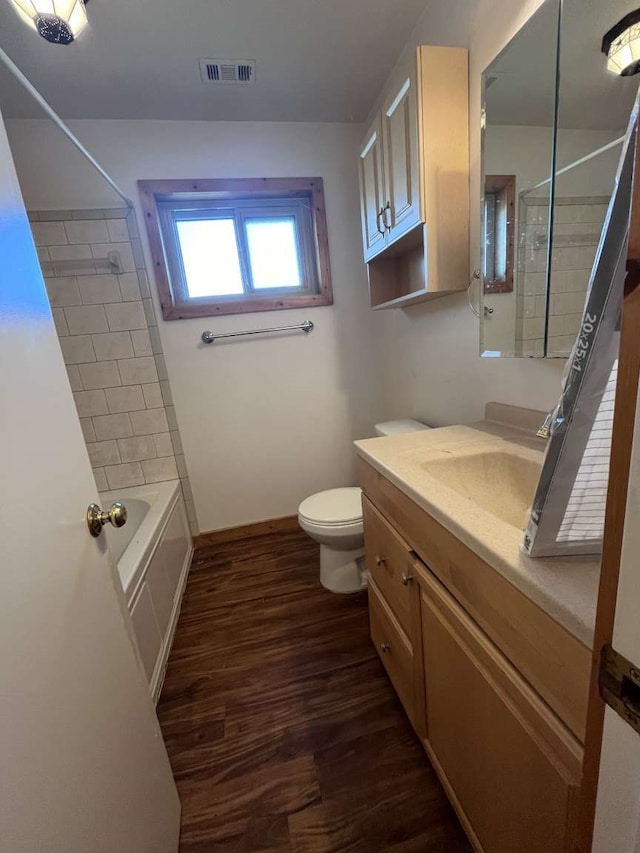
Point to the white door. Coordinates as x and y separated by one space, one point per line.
82 762
617 827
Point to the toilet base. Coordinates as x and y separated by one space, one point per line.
342 571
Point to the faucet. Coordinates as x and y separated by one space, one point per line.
545 427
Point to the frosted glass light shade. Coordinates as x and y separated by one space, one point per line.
57 21
622 46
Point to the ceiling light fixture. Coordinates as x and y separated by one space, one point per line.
622 45
57 21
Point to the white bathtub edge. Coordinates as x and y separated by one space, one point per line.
162 498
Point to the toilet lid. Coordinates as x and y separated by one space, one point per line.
335 506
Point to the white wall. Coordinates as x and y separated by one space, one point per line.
430 366
264 423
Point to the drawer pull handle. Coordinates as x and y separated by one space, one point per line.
380 561
385 647
406 578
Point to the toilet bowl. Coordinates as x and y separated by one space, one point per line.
334 519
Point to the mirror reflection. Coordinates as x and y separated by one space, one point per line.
519 106
539 243
594 105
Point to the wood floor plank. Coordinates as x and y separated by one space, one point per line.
282 728
225 813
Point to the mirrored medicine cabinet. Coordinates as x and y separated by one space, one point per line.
553 123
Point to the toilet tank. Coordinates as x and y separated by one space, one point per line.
398 427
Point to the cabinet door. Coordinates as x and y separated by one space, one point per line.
512 766
372 192
402 175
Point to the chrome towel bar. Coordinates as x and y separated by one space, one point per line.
209 337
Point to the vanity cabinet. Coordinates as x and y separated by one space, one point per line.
495 689
414 175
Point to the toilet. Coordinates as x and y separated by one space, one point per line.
334 519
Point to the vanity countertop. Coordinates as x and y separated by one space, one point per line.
564 587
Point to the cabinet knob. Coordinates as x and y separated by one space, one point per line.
406 578
379 217
380 561
385 647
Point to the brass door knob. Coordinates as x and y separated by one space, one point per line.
96 518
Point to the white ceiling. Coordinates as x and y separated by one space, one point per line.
317 60
590 96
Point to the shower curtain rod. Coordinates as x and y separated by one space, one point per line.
55 118
579 162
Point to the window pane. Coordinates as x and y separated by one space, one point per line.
489 236
273 253
210 257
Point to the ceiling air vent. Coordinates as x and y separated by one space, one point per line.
228 70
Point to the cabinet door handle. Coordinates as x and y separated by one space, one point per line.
380 561
406 578
385 647
380 215
387 219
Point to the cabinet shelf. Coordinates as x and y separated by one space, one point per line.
398 277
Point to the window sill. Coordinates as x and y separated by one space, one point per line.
243 305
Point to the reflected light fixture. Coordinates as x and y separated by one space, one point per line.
57 21
622 45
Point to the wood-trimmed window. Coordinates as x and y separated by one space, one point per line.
498 233
233 246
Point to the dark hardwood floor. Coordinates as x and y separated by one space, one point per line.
283 731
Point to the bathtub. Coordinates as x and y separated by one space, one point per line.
153 554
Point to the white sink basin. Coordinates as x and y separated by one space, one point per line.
500 481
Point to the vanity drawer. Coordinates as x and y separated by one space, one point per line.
388 563
394 648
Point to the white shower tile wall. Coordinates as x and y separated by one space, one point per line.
577 226
108 333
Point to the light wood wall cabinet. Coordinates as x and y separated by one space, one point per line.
503 729
414 182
